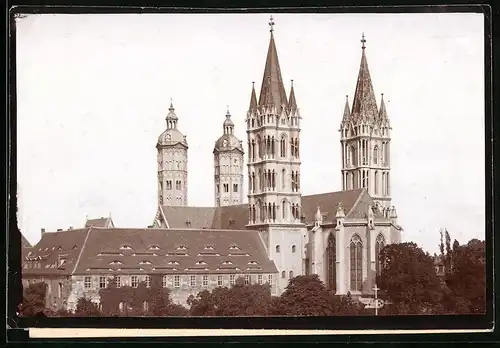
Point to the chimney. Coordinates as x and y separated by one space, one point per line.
42 231
59 230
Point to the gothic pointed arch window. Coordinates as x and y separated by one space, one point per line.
375 154
283 146
331 253
284 209
356 262
379 245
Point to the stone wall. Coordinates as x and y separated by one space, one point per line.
58 289
179 291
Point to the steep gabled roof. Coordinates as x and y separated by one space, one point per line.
53 247
172 251
24 242
328 204
99 222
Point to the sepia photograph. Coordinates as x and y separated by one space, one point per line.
251 164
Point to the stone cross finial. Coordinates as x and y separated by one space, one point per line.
363 41
271 23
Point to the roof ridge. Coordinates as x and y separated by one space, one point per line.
357 200
81 250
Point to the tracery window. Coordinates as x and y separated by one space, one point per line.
356 263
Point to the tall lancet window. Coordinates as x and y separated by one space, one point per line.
375 155
379 245
331 253
356 263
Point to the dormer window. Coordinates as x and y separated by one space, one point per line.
181 247
59 247
227 263
234 247
144 263
188 223
209 247
154 247
253 263
201 263
173 263
125 247
115 263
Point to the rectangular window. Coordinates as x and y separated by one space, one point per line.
235 187
178 185
148 281
135 281
270 279
177 281
219 280
259 279
205 281
102 282
88 282
118 282
192 281
226 187
169 184
60 290
247 279
231 279
165 282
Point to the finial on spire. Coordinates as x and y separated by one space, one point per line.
227 111
271 23
292 82
346 97
363 41
171 104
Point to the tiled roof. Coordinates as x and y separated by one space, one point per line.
100 222
24 242
46 256
328 204
172 251
236 216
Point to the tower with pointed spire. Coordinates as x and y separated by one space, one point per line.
172 156
365 140
274 196
228 166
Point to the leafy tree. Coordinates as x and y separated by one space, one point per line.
409 279
306 295
238 300
467 281
86 308
448 257
34 297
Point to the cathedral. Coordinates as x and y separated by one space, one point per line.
336 235
275 235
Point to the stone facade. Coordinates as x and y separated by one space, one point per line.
228 167
172 149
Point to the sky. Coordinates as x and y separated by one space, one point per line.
93 92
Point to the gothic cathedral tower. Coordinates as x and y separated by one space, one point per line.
228 166
274 198
172 164
365 140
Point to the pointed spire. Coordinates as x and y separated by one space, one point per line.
292 102
272 92
347 111
364 104
253 99
383 111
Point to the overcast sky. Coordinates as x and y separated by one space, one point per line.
93 92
